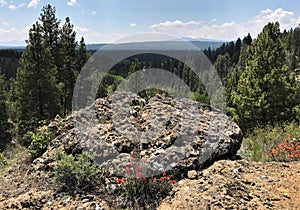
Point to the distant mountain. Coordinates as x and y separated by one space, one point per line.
12 47
190 39
199 43
205 44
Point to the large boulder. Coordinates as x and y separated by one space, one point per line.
123 130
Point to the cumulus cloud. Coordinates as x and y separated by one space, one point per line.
3 3
33 3
94 13
228 30
72 3
14 7
13 35
132 25
173 24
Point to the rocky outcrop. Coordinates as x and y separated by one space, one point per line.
162 134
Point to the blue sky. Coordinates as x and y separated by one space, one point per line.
102 21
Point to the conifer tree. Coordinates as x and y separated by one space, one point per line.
82 56
36 86
265 92
5 126
222 65
67 74
51 33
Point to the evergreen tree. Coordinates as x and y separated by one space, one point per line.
265 92
36 87
232 82
5 126
51 33
135 68
67 74
82 55
222 65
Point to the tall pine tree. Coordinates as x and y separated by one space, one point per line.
265 92
67 74
5 126
36 86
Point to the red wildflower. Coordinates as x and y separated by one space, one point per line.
127 170
138 168
154 179
120 180
138 175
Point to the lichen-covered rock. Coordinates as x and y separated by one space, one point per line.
162 134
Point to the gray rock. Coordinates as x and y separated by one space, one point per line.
169 133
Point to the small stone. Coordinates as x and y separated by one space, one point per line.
85 201
192 174
286 195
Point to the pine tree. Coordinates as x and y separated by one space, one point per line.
36 86
82 56
222 65
67 74
51 33
265 92
135 81
232 82
5 126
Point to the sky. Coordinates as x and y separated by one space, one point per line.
107 21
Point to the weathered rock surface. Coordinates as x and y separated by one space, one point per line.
163 134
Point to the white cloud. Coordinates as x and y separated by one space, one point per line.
3 3
94 13
72 3
173 24
13 35
213 20
228 30
14 7
5 23
132 25
33 3
79 29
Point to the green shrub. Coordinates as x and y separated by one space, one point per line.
75 173
39 141
3 161
260 141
